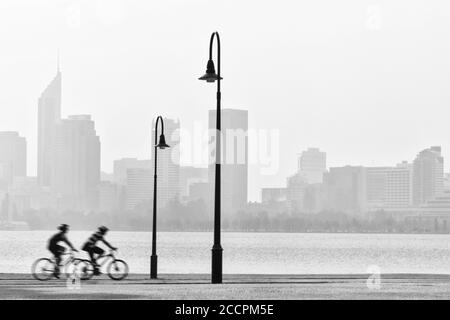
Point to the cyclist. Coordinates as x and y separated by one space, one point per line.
93 250
56 249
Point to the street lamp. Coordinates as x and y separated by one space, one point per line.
211 76
161 145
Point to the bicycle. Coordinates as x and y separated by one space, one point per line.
44 268
117 269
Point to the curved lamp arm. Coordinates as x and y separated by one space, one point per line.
211 41
159 118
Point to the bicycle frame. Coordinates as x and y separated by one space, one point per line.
105 258
65 262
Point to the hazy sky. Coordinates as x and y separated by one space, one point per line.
366 81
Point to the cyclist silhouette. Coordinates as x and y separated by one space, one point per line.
56 249
93 250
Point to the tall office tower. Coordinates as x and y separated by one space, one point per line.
389 187
312 164
428 175
139 187
76 174
345 187
49 115
234 177
168 162
122 165
13 158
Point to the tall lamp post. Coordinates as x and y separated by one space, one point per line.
161 145
211 76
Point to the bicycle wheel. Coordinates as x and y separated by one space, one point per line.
117 269
43 269
84 269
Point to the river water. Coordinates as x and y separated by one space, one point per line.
251 253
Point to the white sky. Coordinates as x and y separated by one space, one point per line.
366 81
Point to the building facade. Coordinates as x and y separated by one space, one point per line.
312 164
345 189
49 115
428 175
168 162
13 158
389 187
76 170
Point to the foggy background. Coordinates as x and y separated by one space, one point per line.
366 81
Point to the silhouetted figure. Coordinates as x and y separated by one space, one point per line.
56 249
93 250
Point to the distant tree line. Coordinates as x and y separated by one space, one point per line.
197 216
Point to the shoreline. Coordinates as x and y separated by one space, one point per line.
233 231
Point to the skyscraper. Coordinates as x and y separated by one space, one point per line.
168 163
428 175
49 115
13 157
234 160
312 164
76 169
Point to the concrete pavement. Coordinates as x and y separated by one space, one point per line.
197 286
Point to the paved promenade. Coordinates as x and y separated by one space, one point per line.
169 286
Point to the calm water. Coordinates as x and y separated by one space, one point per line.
278 253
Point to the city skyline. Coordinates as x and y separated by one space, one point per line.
324 74
51 97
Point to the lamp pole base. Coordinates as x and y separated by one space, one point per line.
216 271
154 266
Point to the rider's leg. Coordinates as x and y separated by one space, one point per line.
96 253
92 256
57 252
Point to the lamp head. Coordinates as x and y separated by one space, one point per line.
162 142
210 75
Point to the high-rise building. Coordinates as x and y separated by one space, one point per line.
389 187
312 164
49 115
76 169
13 158
139 187
428 175
234 178
168 163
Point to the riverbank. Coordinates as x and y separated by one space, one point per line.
198 287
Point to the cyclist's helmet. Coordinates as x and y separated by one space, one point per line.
103 229
63 227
